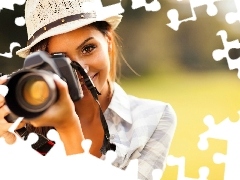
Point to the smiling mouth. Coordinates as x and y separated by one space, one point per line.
93 77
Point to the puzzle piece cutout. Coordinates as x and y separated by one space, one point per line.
12 46
219 54
180 162
22 151
79 166
9 4
173 14
63 167
20 21
9 25
229 131
233 17
58 149
153 6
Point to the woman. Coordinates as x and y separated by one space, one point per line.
84 31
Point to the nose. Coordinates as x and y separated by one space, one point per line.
84 66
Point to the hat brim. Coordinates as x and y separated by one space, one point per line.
64 28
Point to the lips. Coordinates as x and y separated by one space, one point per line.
93 76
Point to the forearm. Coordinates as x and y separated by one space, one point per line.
72 137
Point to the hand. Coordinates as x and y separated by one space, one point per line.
62 113
62 116
4 125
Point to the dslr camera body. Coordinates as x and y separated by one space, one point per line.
32 89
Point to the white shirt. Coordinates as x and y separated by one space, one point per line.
141 129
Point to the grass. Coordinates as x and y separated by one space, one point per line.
193 96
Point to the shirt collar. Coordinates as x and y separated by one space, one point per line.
120 103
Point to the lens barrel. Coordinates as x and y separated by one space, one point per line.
31 92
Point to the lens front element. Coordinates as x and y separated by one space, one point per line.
35 91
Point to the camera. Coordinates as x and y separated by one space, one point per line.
32 89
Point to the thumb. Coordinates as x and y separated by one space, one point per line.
61 85
10 138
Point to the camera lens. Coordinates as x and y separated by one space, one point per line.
31 92
35 91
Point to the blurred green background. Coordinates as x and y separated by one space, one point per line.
172 66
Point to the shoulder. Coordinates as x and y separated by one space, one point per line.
142 108
148 104
152 110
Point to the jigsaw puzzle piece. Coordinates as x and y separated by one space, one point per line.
209 122
231 160
9 4
219 158
229 131
157 174
153 6
20 21
12 46
110 157
233 17
180 162
219 54
173 14
224 130
131 169
18 149
58 149
86 145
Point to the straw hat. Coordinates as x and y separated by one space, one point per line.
46 18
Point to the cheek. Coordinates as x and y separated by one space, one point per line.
103 61
102 65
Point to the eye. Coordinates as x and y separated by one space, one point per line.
88 49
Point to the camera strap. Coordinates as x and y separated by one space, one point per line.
107 145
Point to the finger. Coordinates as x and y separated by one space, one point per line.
10 138
4 126
4 111
2 100
3 79
61 85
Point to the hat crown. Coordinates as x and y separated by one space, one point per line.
39 13
47 18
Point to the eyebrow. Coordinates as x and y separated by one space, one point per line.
84 42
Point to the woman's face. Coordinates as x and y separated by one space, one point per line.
90 48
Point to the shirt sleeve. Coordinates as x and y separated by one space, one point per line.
154 154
